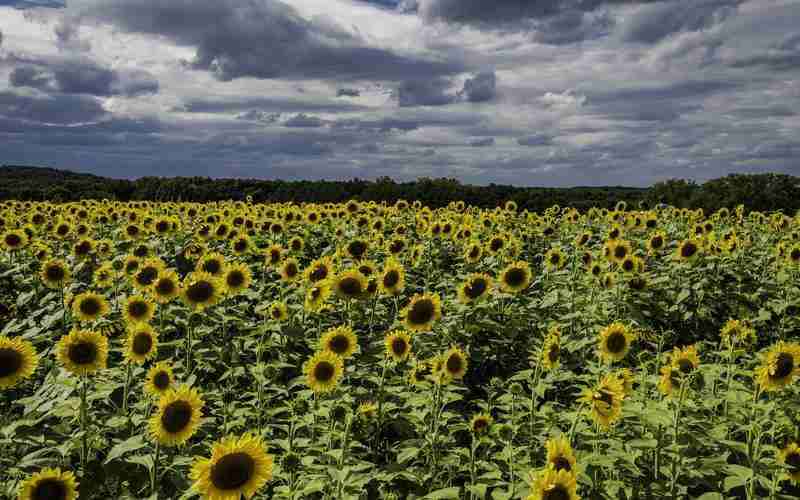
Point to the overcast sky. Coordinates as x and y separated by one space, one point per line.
527 92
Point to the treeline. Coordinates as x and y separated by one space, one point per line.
764 192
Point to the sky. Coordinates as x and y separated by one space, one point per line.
524 92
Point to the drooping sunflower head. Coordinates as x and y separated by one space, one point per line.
273 256
614 342
237 278
201 290
177 417
392 279
736 332
18 361
340 341
560 455
290 270
398 345
554 259
474 288
159 379
49 484
350 284
454 364
626 377
138 309
473 253
166 286
55 273
103 276
551 352
480 424
515 277
789 457
779 366
605 400
323 371
238 467
423 310
141 343
89 306
83 352
686 360
367 410
551 484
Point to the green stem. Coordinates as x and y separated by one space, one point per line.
83 414
154 471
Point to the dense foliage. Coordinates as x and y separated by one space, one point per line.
365 350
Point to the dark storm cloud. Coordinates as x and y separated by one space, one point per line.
83 77
535 140
482 143
58 109
347 92
266 39
266 104
782 55
433 92
303 120
482 87
655 22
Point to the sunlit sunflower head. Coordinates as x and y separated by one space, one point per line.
147 272
62 229
49 484
688 250
290 270
779 367
159 379
18 361
554 259
241 245
131 265
212 263
319 270
685 359
83 352
656 242
350 284
104 275
474 288
201 290
166 286
89 306
177 416
473 252
618 250
789 457
670 380
560 455
481 424
138 309
516 277
793 255
582 239
340 341
237 278
357 248
614 342
367 410
14 240
735 332
277 311
496 243
273 255
83 248
323 371
317 296
238 467
605 400
54 273
631 265
392 279
551 352
454 363
141 343
551 484
419 373
398 345
423 310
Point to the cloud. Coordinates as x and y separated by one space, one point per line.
261 39
83 77
481 88
653 23
303 120
430 92
348 92
55 109
535 140
563 100
481 143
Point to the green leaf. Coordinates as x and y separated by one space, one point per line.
453 493
131 444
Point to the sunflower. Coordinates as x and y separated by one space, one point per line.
793 255
779 367
62 229
290 270
238 467
141 344
323 371
83 248
688 250
789 456
241 245
318 270
138 309
605 400
473 253
367 410
146 273
551 351
398 345
735 332
177 417
392 278
237 278
159 379
614 342
481 423
420 314
49 484
273 255
560 455
166 286
18 361
625 375
419 373
618 250
54 273
201 290
454 363
554 259
515 277
89 306
14 240
104 275
685 360
277 311
350 284
83 352
212 263
340 341
316 296
476 286
670 379
551 484
656 242
357 249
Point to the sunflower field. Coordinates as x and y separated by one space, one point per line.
371 351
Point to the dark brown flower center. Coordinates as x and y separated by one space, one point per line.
62 229
496 244
421 312
515 277
233 471
176 416
688 250
200 292
54 273
480 425
291 270
142 343
90 306
557 492
616 342
553 353
339 344
49 489
83 248
391 278
357 248
319 273
162 226
235 279
165 286
240 246
146 275
454 364
324 371
784 365
212 266
795 255
627 265
620 251
137 309
685 365
82 353
10 362
657 242
350 286
793 461
561 463
399 346
161 380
